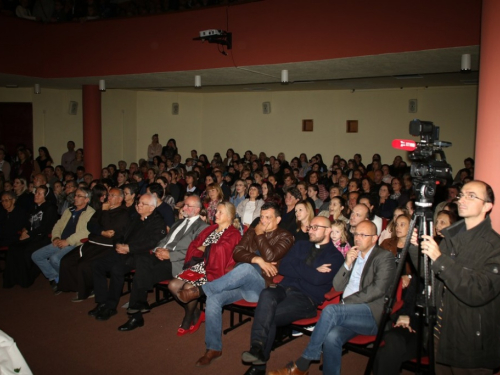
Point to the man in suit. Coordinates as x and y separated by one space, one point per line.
166 261
366 275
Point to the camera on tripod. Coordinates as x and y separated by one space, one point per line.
428 160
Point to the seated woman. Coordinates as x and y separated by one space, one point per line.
12 219
398 194
24 199
19 268
335 210
389 229
269 195
386 206
304 214
249 209
239 192
396 243
214 196
207 258
288 219
312 192
191 187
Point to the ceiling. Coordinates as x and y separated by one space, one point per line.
430 68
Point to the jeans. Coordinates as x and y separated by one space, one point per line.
337 325
48 259
278 307
243 282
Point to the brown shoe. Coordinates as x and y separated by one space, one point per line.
209 356
187 295
290 369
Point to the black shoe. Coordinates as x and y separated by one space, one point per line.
254 356
53 285
256 371
105 314
132 324
97 310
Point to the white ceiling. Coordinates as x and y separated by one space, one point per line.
440 67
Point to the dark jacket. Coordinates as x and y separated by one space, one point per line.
272 247
298 274
142 235
42 220
378 274
117 219
469 267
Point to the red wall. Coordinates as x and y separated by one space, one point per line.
264 32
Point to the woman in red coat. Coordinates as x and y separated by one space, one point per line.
207 258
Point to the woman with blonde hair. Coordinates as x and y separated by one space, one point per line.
208 257
304 214
214 196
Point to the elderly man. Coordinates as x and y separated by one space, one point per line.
258 253
366 275
105 227
467 268
141 236
66 235
166 261
308 270
69 196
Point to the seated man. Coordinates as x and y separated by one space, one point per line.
66 235
359 213
308 270
145 230
369 202
105 227
166 261
366 275
258 253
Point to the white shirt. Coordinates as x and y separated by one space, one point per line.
355 279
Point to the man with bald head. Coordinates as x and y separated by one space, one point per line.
140 237
105 227
308 270
467 268
359 213
364 278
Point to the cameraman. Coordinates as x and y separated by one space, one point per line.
467 269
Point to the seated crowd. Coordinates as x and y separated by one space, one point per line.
222 230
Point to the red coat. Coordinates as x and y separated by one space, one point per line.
220 257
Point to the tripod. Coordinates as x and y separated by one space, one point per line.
423 220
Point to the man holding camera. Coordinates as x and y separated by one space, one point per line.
467 269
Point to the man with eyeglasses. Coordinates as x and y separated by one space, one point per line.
467 268
166 261
140 237
308 270
257 256
66 235
364 279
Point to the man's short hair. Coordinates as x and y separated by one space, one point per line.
80 168
71 183
139 174
156 188
87 191
294 192
49 167
272 206
44 188
154 202
197 200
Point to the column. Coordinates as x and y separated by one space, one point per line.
488 114
92 138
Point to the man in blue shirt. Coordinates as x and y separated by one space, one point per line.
364 278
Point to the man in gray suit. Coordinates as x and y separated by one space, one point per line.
366 275
165 262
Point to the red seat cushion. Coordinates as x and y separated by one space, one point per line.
244 303
362 340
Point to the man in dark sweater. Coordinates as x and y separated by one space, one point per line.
308 270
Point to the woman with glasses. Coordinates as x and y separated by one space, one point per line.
214 196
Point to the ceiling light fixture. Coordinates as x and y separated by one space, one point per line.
466 63
37 88
284 77
102 85
197 82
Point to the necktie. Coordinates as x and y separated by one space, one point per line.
179 235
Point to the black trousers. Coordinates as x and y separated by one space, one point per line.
117 265
400 346
75 272
278 307
149 271
19 267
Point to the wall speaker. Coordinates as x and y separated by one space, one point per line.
175 108
73 108
266 108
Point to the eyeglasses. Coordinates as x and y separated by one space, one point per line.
80 196
143 204
315 227
362 235
5 200
187 205
470 196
